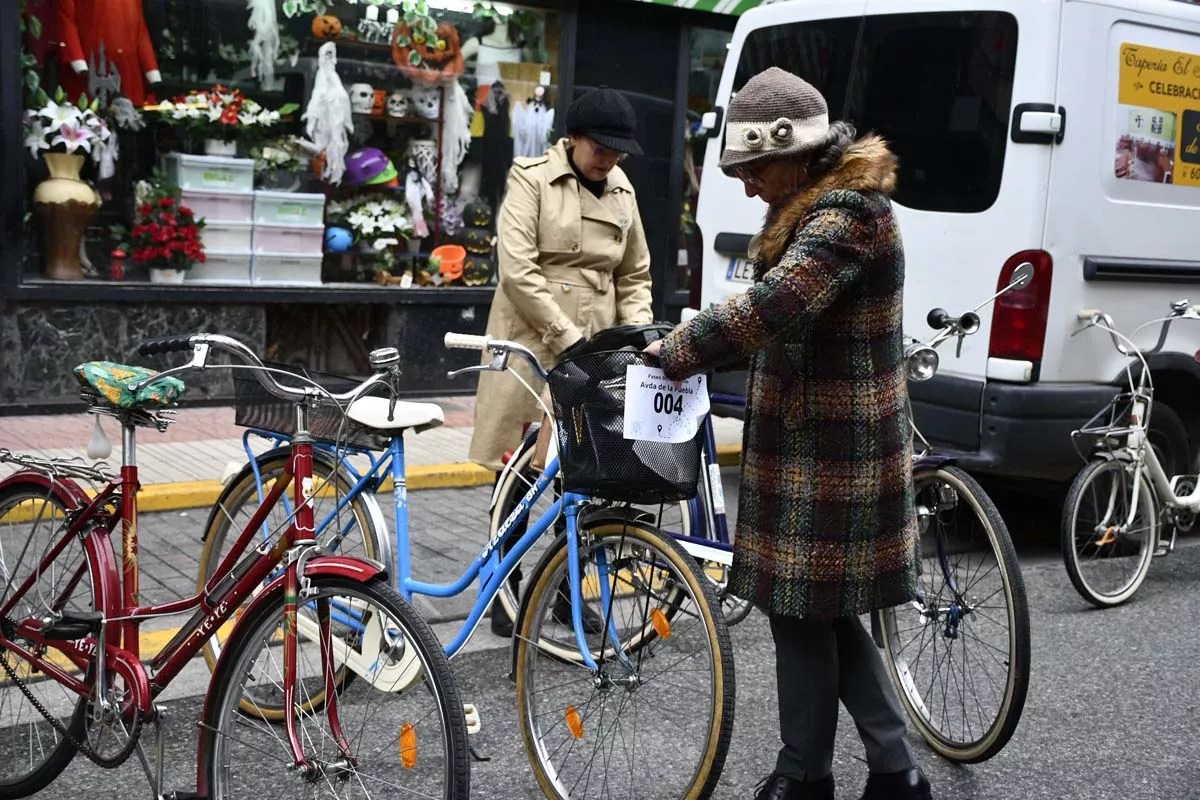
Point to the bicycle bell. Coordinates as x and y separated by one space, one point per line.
384 357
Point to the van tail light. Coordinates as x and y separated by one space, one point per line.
1019 316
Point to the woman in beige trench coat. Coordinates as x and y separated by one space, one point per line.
572 261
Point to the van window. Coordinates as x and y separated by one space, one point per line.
937 86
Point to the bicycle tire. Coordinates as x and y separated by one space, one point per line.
545 580
64 752
1070 553
416 631
1008 717
243 489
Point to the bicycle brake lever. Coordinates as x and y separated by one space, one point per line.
394 375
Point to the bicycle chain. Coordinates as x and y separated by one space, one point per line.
82 747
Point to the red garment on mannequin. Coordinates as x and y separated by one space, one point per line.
120 24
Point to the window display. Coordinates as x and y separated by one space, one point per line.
277 142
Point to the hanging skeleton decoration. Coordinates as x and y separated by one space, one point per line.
264 46
329 117
418 193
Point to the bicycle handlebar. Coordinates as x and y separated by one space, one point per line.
201 343
500 349
1180 309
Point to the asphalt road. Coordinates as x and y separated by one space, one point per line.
1111 712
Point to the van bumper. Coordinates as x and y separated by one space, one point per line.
1020 431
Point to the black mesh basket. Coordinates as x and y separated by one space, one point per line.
595 457
255 407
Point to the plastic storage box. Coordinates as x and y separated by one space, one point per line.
211 172
219 206
286 269
296 239
222 267
227 235
289 208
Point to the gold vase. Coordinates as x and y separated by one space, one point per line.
64 204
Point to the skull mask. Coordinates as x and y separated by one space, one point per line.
397 105
426 100
362 97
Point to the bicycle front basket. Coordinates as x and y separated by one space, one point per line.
596 459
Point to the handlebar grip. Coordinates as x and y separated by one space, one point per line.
172 344
466 341
1086 314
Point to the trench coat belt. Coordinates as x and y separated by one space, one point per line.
598 279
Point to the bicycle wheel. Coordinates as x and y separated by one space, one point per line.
33 751
352 532
1105 562
398 729
970 593
644 571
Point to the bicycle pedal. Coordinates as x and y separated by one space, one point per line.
73 625
474 721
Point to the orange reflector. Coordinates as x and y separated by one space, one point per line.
659 620
408 746
574 722
1108 537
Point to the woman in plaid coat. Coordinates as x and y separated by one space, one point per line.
826 525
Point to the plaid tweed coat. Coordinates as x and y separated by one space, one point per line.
826 524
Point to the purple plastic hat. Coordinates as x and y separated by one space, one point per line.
365 164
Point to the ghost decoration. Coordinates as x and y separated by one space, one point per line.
264 47
398 105
329 118
362 98
426 101
457 137
418 193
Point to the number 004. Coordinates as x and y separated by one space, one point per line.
668 403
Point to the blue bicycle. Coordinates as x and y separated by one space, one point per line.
618 630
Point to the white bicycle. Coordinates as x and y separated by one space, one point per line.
1117 503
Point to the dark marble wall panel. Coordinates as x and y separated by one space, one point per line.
41 342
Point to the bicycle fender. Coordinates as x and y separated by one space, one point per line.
932 461
66 490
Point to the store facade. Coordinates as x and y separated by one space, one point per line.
342 162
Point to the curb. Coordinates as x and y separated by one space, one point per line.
204 494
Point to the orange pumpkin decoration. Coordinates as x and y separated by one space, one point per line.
441 58
327 26
379 102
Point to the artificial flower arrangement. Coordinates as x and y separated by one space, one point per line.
166 234
59 126
377 223
222 114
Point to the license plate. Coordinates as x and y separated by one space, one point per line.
740 271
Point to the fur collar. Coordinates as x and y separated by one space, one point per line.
866 166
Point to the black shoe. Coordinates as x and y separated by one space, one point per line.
909 784
501 624
781 787
593 623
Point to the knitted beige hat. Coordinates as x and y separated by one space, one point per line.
775 115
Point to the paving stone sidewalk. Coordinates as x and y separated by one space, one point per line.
203 442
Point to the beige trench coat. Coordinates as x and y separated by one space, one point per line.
570 264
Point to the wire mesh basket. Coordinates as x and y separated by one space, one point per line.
255 407
595 458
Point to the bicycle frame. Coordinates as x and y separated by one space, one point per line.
117 593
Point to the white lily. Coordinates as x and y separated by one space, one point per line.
59 116
75 138
35 140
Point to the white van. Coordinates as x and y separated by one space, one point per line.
1061 132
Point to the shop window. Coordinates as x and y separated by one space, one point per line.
315 142
937 85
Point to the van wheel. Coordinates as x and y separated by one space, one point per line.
1169 438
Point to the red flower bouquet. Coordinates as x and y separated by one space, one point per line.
166 235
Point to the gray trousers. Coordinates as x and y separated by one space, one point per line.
818 663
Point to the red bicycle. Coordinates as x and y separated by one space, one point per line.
71 612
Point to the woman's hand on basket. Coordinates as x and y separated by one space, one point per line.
653 348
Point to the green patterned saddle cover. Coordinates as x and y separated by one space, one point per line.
114 383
